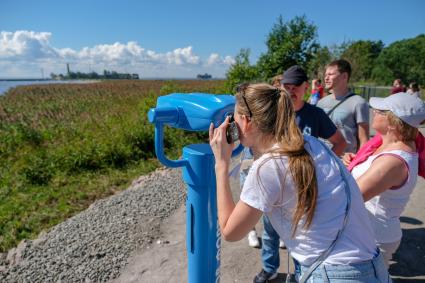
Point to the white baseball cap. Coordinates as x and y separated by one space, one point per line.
407 107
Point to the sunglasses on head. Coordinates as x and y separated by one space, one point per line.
241 89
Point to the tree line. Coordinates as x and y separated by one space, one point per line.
107 75
295 43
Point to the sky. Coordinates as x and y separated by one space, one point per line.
178 39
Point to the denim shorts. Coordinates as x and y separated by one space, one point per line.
371 271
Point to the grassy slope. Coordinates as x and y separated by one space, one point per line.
64 146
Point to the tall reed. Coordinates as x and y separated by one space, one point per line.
64 145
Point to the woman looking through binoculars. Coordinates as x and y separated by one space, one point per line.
301 186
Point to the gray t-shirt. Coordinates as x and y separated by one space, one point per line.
346 116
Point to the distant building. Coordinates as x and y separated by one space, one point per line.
135 76
59 77
204 76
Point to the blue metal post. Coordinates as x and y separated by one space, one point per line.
195 112
202 235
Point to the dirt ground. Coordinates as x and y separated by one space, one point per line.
166 261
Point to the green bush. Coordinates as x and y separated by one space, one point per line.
64 146
170 87
38 169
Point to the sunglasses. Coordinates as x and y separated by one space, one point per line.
241 89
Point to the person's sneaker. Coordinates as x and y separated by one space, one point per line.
264 276
281 244
253 239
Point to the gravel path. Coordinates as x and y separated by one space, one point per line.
94 245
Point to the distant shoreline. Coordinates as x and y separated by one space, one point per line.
6 84
17 80
143 79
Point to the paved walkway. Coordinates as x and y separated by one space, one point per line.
166 261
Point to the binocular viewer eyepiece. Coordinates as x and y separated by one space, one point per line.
192 111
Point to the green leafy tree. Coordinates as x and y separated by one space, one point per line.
241 71
362 55
317 64
404 59
288 44
338 49
323 56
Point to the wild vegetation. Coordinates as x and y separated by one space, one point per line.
62 146
296 42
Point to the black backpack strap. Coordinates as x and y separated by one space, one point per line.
339 103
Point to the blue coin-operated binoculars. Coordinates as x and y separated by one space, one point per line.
195 112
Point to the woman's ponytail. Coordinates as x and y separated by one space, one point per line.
301 166
272 111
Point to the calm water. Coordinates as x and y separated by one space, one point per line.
5 85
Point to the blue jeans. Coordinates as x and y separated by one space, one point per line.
370 271
246 154
270 247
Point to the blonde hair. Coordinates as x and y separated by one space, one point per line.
276 81
406 132
273 113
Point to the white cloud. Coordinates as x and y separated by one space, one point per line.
181 56
32 50
67 53
116 52
229 60
215 59
25 45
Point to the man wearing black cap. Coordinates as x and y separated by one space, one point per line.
312 121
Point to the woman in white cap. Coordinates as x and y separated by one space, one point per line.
312 201
386 168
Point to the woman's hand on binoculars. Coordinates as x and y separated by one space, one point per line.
221 149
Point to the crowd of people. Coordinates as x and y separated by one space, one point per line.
398 86
322 188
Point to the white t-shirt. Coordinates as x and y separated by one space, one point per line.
385 209
269 187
